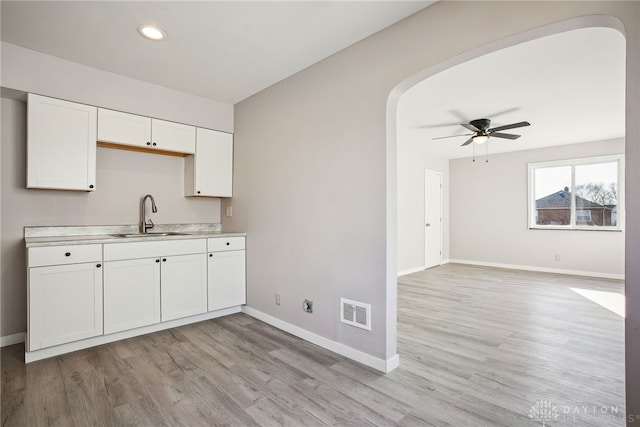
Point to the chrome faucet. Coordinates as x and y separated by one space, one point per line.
144 226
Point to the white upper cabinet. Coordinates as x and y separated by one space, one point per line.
61 144
123 128
171 136
210 172
120 128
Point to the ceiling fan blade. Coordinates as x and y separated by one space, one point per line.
453 136
504 135
469 141
470 127
511 126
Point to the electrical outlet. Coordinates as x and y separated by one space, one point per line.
277 299
307 306
557 257
229 211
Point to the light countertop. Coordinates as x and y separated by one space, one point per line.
81 235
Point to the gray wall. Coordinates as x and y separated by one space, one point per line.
315 177
122 176
489 220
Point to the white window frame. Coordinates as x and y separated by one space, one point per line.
531 167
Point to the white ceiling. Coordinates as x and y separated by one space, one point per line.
222 50
569 86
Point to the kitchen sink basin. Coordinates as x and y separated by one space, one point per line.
150 234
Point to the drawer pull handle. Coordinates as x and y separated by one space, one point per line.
67 254
99 265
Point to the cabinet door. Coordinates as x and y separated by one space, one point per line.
61 144
171 136
123 128
64 304
131 294
211 169
227 279
184 286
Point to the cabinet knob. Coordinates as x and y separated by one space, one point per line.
158 260
67 254
210 255
99 265
91 186
198 191
154 144
228 243
148 143
164 260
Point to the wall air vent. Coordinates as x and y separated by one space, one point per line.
355 313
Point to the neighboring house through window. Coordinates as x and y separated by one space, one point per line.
576 193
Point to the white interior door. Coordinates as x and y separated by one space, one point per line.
432 218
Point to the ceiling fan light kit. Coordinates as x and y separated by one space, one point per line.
480 139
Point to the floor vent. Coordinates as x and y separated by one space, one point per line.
355 313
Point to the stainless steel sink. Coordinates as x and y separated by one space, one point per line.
150 234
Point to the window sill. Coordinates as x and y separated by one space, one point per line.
552 227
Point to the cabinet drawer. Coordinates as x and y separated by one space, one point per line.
59 255
218 244
134 250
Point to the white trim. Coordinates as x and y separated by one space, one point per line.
32 356
351 353
411 270
541 269
12 339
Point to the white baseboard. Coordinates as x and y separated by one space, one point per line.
540 269
346 351
409 271
12 339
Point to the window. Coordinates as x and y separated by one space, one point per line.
583 216
583 194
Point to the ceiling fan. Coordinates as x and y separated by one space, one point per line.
482 132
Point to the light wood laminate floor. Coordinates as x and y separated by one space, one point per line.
478 347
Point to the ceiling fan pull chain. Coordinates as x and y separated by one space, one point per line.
486 160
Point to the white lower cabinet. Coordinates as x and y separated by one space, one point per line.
152 282
227 273
141 292
89 291
131 294
183 286
65 304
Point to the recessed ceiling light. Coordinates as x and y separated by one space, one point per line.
152 32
